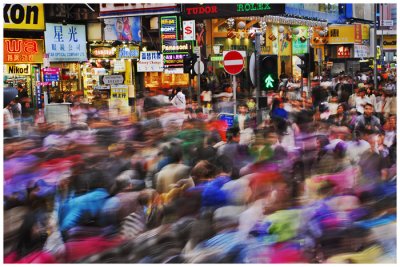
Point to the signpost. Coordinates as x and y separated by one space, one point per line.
233 65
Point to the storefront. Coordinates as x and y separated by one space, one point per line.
348 47
390 50
22 62
234 26
123 24
23 57
108 77
65 50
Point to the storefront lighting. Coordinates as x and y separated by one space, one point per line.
144 48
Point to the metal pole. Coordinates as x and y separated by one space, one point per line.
309 65
257 53
380 28
375 43
234 93
198 80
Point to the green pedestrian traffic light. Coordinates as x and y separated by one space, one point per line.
269 82
268 67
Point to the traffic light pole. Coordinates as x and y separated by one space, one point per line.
257 72
198 80
375 43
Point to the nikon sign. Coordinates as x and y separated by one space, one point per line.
24 16
19 69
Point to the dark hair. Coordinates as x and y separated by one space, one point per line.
175 153
26 242
178 89
232 132
224 164
368 104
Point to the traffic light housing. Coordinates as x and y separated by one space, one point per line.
268 67
307 65
188 63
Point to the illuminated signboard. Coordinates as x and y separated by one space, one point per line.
102 52
343 52
169 30
23 50
129 51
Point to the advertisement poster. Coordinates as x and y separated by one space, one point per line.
123 29
285 43
300 42
65 42
273 37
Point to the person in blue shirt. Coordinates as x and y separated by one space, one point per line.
84 209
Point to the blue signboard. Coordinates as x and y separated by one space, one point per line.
228 118
51 77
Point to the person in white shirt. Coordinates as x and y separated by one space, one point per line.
361 100
179 99
206 99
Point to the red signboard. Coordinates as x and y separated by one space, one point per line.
233 62
357 34
23 50
343 52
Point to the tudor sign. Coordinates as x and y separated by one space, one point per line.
233 62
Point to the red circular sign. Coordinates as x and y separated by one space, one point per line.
233 62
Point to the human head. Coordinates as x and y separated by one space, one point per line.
202 171
243 109
340 109
368 110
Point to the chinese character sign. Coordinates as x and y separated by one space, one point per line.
151 61
65 42
119 96
123 29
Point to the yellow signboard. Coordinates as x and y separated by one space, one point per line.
365 31
341 34
17 69
119 96
24 16
389 42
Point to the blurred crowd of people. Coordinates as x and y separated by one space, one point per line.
315 182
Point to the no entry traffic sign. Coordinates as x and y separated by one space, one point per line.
233 62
